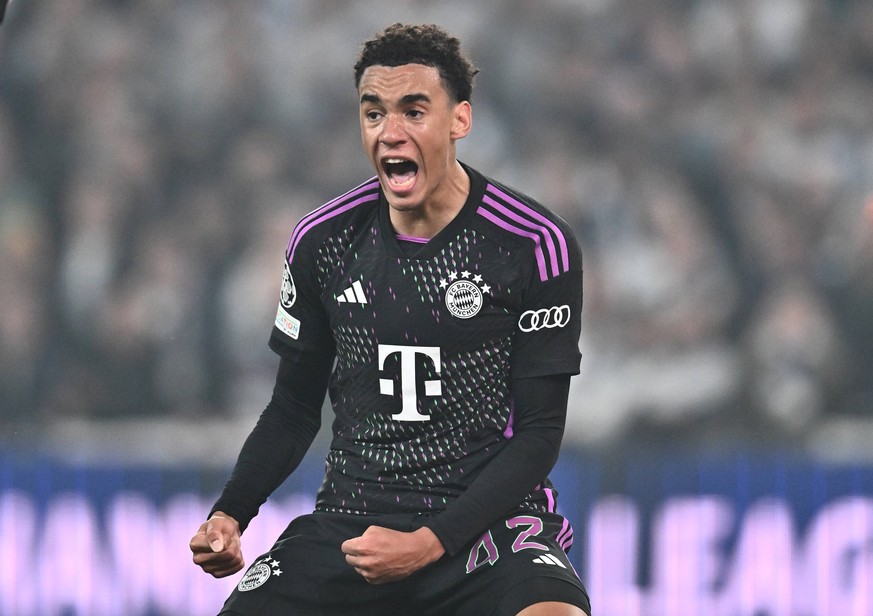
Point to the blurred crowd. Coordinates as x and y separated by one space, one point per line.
715 158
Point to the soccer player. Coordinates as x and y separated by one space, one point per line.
441 309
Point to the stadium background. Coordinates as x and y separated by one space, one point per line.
715 158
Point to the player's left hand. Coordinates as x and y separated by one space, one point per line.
383 555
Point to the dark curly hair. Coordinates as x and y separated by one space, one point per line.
426 44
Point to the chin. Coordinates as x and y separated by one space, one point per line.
405 201
406 204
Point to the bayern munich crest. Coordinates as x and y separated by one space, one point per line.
259 573
464 293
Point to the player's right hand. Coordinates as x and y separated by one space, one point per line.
216 546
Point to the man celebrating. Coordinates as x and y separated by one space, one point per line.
442 310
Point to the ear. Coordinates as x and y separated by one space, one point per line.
462 120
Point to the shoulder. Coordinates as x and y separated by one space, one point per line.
518 216
341 214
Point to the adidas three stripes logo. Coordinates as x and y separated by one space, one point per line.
548 559
353 295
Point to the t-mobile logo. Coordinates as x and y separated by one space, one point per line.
408 389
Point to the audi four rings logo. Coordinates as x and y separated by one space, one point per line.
544 318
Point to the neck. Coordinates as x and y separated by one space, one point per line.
439 209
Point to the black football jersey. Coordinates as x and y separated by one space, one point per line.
426 344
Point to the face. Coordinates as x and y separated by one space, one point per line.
409 125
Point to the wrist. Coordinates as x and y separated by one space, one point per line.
224 516
432 544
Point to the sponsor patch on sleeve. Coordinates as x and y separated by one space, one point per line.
287 324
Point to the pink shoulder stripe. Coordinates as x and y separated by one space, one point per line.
329 210
511 214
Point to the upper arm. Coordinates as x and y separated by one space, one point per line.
540 402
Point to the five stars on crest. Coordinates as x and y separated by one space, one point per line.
477 278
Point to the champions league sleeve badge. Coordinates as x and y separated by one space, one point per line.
286 323
464 293
288 294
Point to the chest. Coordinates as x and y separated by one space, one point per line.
468 292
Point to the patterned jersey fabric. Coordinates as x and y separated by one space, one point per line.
426 344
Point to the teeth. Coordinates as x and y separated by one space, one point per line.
394 161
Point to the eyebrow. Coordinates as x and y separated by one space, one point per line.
408 99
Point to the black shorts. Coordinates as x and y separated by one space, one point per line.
517 563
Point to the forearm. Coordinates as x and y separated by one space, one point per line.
271 452
525 461
278 442
512 475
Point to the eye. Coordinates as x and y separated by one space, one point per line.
415 114
372 115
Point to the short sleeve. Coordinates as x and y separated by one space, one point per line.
550 322
301 326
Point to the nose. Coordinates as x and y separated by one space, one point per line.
392 130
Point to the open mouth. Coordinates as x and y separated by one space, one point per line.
400 172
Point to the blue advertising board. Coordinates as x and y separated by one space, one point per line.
745 534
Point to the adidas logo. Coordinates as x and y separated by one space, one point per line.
548 559
353 295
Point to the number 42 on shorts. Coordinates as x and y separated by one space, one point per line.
485 550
